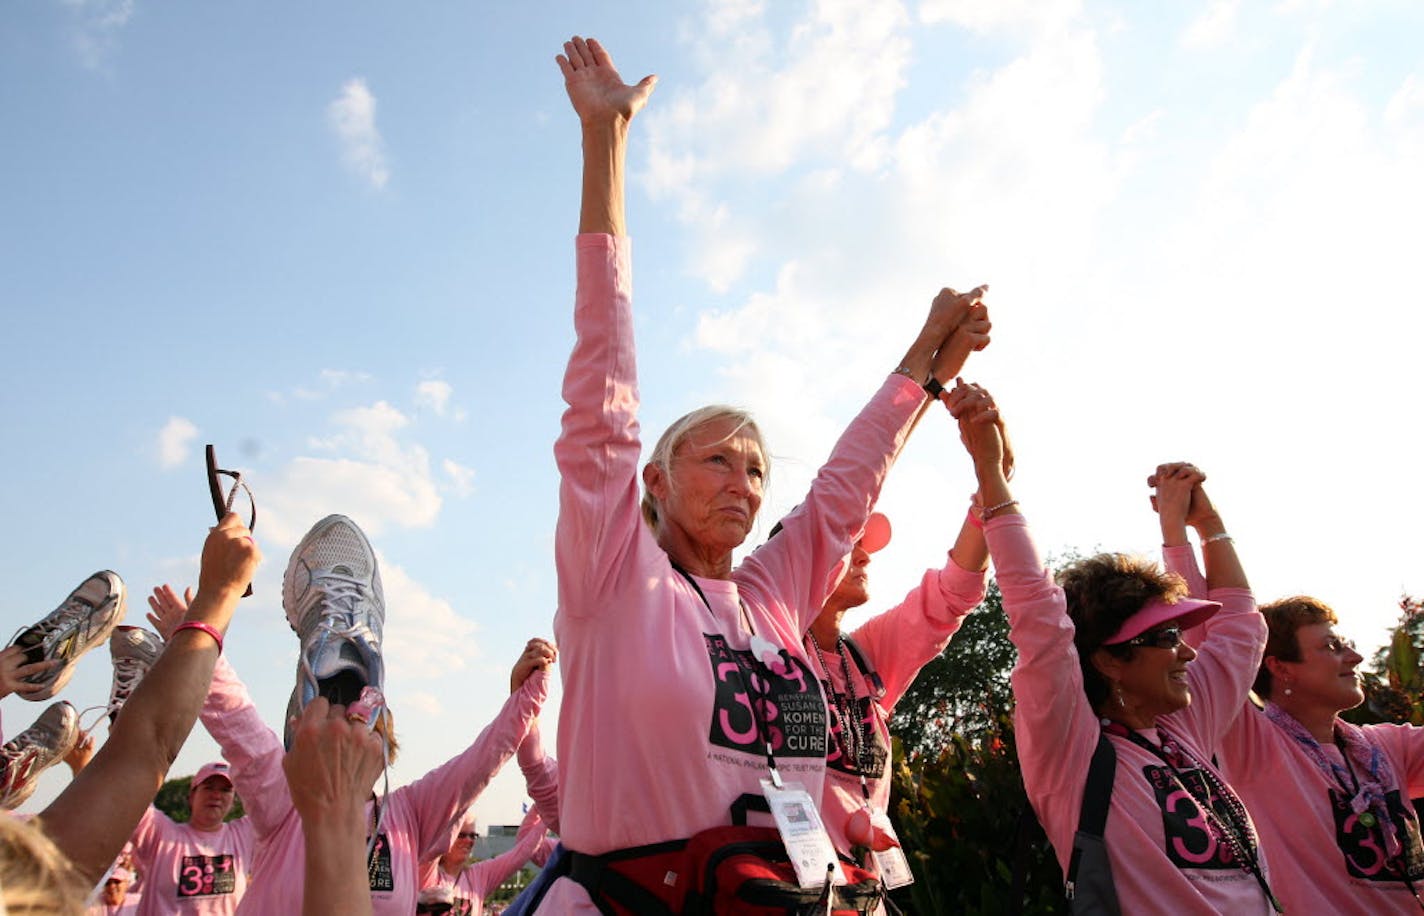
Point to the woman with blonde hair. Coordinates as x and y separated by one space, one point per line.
685 679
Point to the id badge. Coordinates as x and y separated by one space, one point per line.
807 843
892 865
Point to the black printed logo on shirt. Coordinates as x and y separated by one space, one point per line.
1366 855
206 876
840 757
379 865
1192 839
786 695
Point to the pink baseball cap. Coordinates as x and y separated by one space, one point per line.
208 771
1185 612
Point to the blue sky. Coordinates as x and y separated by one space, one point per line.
336 242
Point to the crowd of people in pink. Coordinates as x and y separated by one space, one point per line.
723 744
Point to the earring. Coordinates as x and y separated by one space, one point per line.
1117 692
1287 691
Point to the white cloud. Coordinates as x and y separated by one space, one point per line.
174 440
99 23
374 477
434 394
424 634
823 90
1214 27
995 15
462 479
352 116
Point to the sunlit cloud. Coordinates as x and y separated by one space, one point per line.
1214 27
434 395
174 442
352 115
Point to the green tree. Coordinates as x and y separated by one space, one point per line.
958 802
965 689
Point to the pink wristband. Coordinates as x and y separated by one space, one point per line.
199 625
973 516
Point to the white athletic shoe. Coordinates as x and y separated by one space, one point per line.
331 592
83 621
35 750
134 650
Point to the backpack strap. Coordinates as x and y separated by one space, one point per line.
1097 794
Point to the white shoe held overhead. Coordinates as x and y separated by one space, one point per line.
331 592
34 750
80 623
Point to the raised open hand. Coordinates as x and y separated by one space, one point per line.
166 609
596 90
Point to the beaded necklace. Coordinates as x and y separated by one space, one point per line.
857 734
1234 827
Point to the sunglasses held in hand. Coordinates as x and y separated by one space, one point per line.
223 501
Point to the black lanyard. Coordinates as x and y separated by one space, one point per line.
752 695
859 737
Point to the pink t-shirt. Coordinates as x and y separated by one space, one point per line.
896 644
477 881
657 736
191 871
1323 859
419 819
1164 858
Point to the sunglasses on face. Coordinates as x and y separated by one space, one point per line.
463 835
1165 638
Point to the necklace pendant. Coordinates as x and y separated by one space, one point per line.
1368 819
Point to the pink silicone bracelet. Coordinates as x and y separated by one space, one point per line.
199 625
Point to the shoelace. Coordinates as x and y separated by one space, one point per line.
63 618
128 671
340 597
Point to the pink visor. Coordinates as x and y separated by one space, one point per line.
1186 613
876 534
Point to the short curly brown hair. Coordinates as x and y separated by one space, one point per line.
1102 592
1284 618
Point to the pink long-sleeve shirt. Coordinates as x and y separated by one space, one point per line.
477 881
897 644
656 733
419 819
191 871
1323 859
1164 859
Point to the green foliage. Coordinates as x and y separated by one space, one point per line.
172 800
1394 683
965 689
958 802
959 815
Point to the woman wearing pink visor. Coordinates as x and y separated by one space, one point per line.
864 674
1102 662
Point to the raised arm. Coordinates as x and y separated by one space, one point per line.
251 748
605 106
330 769
94 815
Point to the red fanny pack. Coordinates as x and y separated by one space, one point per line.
731 869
